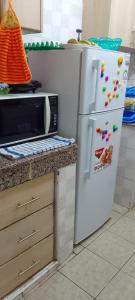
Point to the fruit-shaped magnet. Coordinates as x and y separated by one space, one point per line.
106 78
104 89
106 103
120 60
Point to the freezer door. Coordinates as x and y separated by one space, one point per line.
103 80
99 139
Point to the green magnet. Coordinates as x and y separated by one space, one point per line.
104 89
117 95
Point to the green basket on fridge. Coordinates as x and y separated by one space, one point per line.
107 43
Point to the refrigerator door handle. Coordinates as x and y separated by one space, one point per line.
95 69
89 154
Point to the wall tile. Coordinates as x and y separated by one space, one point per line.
65 212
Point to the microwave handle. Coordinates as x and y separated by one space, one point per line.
47 115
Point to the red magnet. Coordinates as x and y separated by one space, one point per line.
115 88
109 94
109 134
98 130
106 103
106 78
107 140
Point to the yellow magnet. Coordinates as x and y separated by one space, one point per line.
120 60
110 98
120 85
114 80
102 69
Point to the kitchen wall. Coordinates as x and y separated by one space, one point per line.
61 18
125 183
131 80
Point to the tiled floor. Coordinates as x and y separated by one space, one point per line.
101 268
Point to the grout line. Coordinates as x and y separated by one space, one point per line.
75 284
66 262
103 259
119 271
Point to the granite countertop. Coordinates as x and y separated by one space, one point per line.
14 172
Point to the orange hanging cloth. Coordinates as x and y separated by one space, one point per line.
14 68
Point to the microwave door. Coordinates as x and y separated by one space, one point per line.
47 115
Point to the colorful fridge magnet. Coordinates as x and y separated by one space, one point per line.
109 94
106 78
110 98
104 89
114 80
115 128
125 75
118 71
120 85
120 60
106 103
115 88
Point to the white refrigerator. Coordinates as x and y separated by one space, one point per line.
91 84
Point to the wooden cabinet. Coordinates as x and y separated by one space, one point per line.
25 199
110 18
25 265
29 13
26 231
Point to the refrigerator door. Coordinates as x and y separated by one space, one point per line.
103 80
99 140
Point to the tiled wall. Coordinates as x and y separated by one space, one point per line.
125 184
131 80
61 19
64 212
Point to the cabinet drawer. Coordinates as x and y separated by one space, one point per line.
25 265
22 235
22 200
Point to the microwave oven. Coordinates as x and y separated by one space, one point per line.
25 117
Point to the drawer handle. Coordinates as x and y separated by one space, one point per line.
34 264
29 202
21 240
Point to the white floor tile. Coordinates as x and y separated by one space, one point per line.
89 272
129 268
57 288
120 209
122 287
78 249
113 248
125 228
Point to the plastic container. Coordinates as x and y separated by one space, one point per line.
107 43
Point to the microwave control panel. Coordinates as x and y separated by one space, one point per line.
54 114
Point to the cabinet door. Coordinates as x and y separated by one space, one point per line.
122 20
29 13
